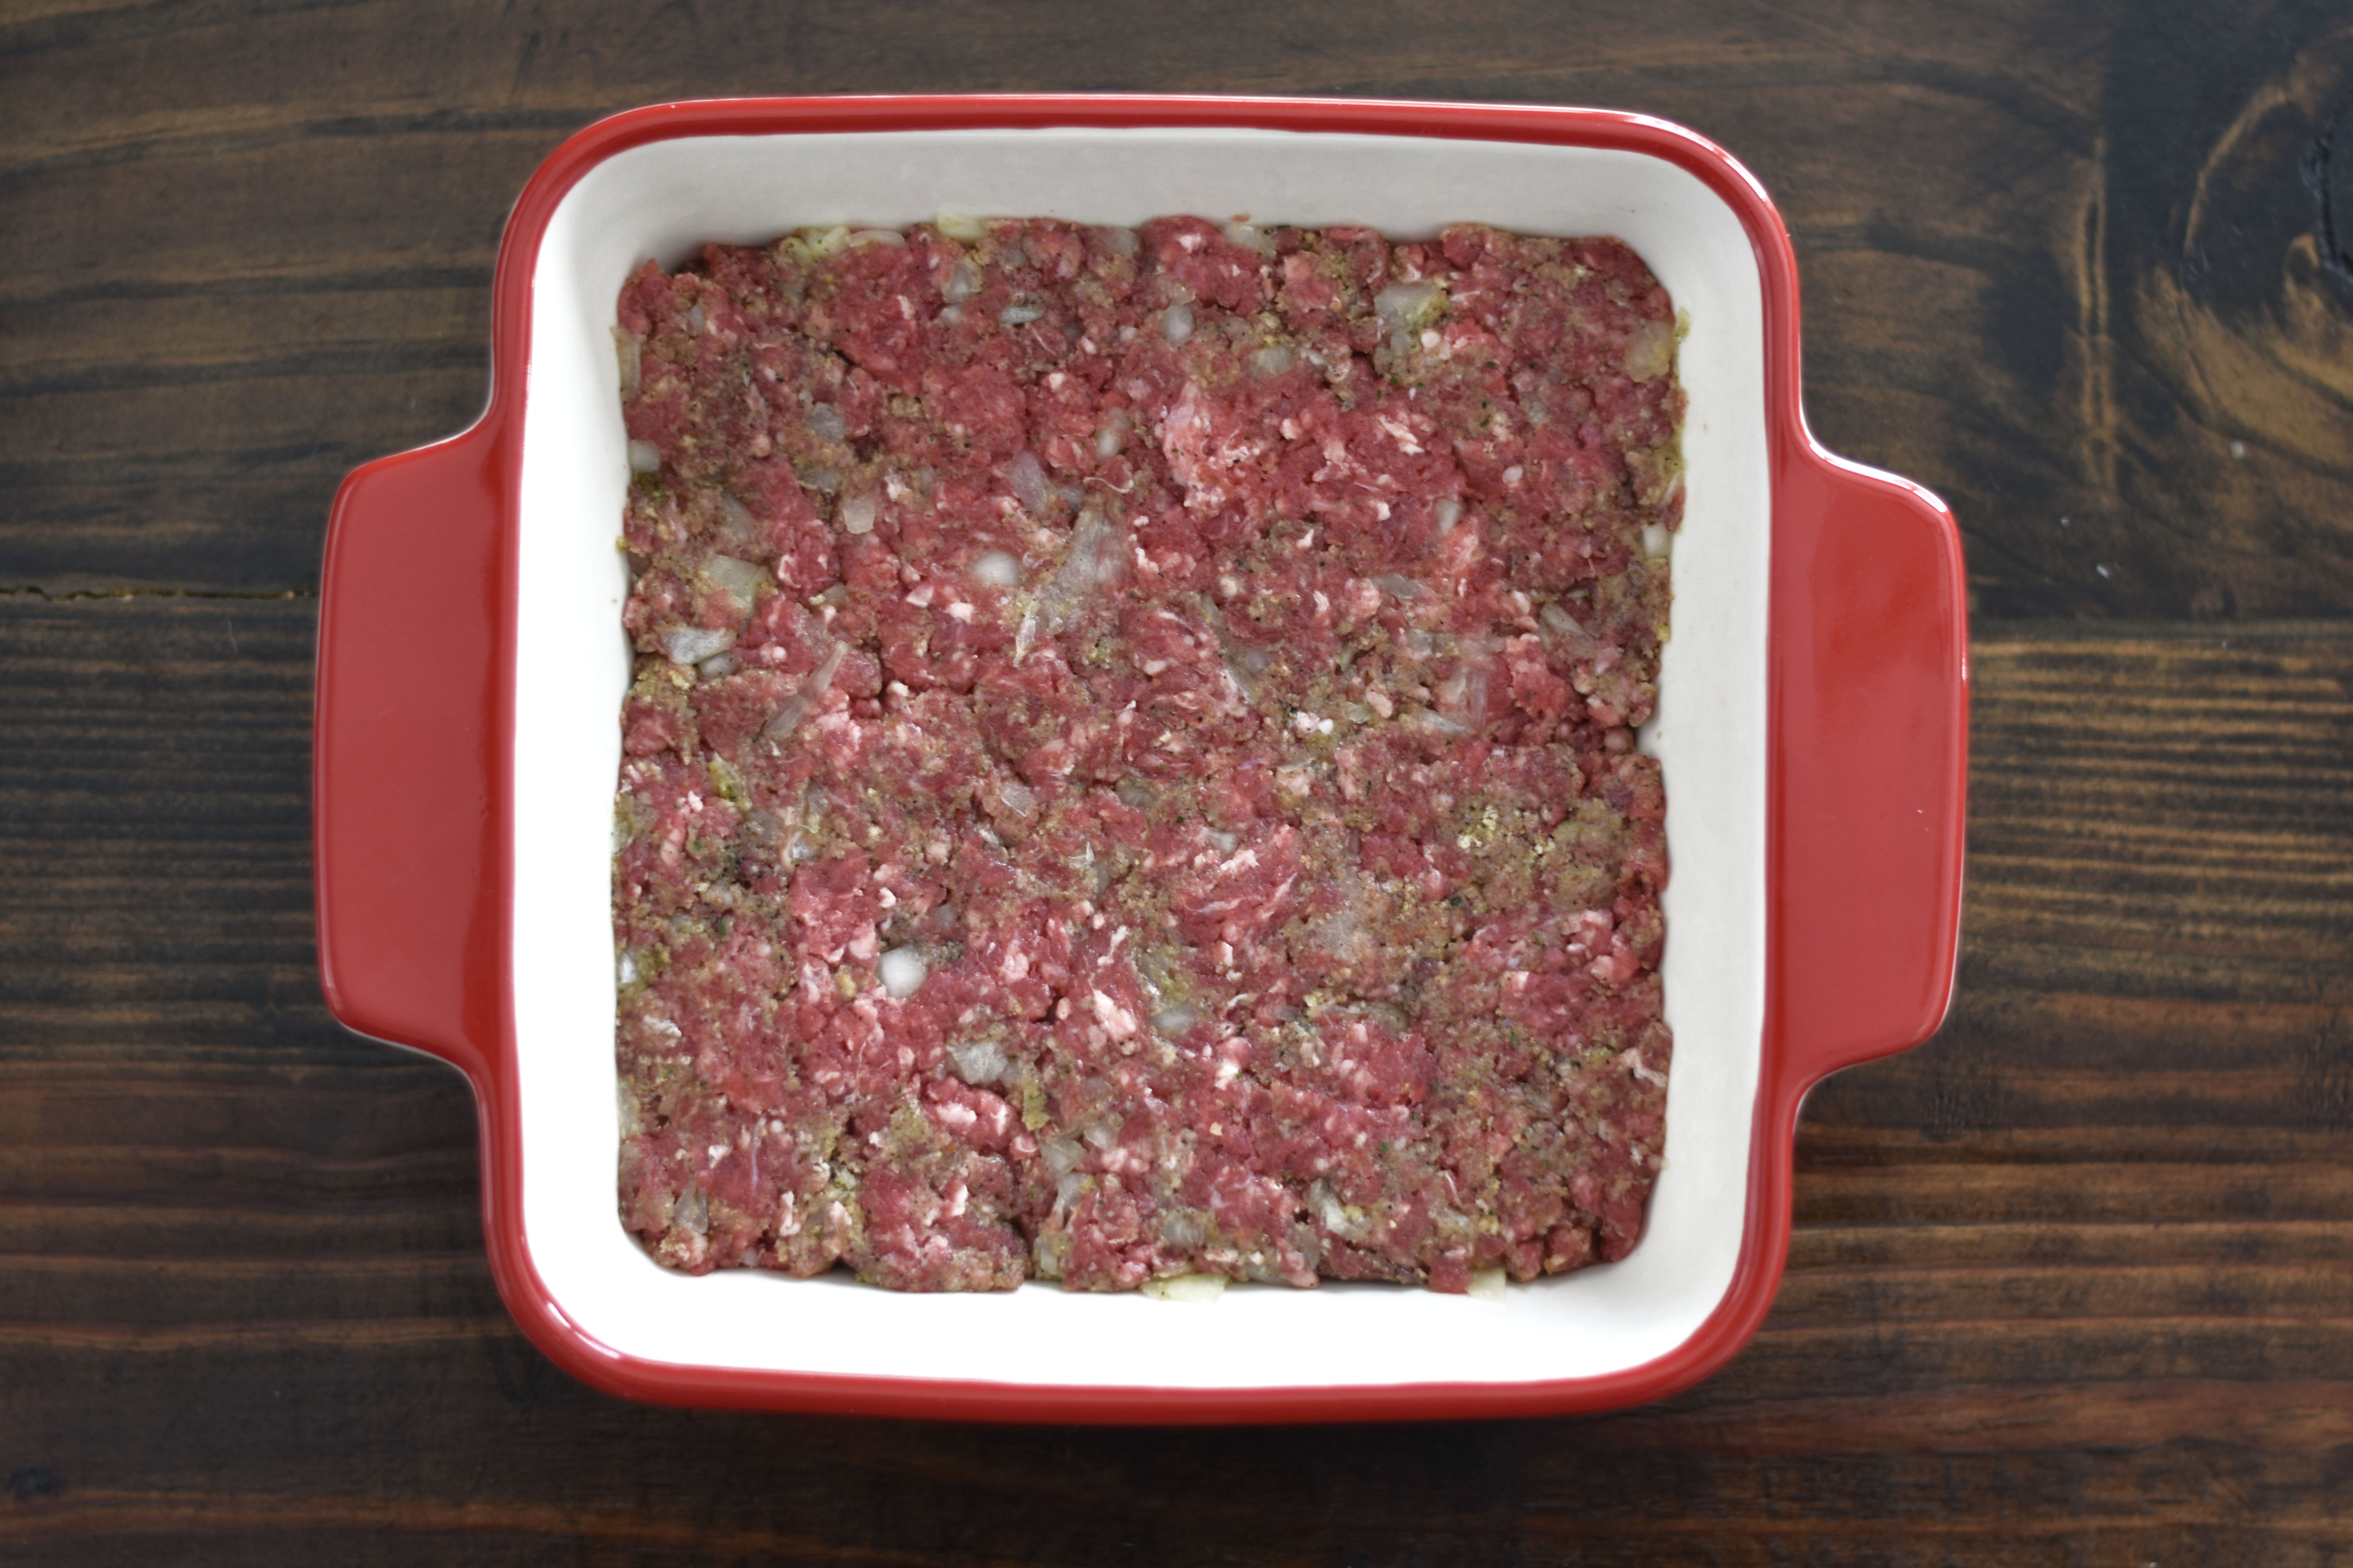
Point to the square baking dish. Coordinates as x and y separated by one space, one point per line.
1810 726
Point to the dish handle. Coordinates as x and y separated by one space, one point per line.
405 830
1870 710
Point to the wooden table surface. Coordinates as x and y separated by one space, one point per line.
2071 1284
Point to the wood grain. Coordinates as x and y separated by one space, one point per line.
2072 1283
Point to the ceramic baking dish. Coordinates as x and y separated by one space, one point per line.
1811 726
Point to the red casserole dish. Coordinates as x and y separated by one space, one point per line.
1813 711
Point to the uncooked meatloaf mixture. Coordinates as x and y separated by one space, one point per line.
1131 773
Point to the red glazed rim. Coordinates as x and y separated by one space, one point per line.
412 783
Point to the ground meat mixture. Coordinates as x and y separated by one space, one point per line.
1130 770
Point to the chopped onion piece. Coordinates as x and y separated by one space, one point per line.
1448 511
998 569
1249 661
903 971
1330 1211
964 281
1182 1228
1028 478
1272 359
1094 560
1249 236
825 422
1175 1018
693 644
1020 315
1120 241
645 457
1018 798
1224 841
631 351
1657 542
876 237
980 1061
1463 694
717 664
739 580
1186 1288
959 225
858 512
1651 350
1487 1284
1407 308
801 703
738 523
1176 322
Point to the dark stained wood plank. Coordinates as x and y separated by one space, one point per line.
153 793
2072 1283
2063 262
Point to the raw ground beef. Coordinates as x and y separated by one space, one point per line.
1131 766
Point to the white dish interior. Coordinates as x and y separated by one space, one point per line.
665 200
